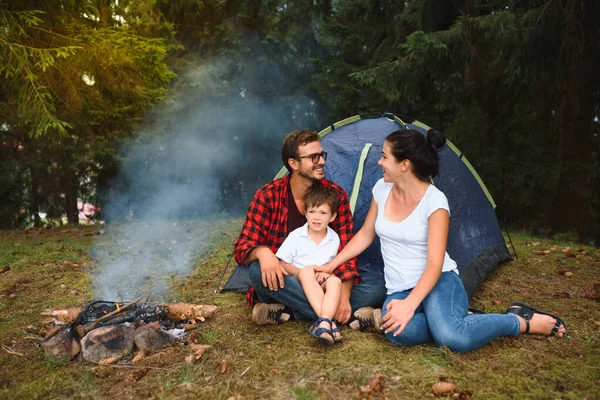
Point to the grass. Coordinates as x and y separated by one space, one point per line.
51 268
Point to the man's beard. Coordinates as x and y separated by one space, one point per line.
311 177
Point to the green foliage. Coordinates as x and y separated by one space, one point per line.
513 84
22 64
358 35
79 81
506 84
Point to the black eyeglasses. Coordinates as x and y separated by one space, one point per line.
315 157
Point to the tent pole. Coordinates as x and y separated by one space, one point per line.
223 274
511 243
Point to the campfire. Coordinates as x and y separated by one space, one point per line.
107 332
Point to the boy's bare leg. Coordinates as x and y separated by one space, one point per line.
325 298
331 300
312 289
318 295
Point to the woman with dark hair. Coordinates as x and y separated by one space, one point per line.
426 301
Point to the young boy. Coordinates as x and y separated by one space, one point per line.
315 243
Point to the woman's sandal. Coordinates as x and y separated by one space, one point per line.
526 312
335 330
473 310
323 334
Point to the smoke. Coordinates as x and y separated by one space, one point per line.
198 158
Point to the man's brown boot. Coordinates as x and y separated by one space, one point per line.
269 314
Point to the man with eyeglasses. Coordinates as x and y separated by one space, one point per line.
277 209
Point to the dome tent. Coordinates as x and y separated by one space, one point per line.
354 146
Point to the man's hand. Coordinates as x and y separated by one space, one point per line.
270 269
344 310
398 314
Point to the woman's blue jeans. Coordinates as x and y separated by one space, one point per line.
442 318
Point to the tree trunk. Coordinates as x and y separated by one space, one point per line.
576 111
71 188
572 211
34 207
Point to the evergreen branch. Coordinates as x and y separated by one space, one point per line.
47 119
53 33
32 48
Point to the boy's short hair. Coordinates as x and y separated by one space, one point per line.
319 194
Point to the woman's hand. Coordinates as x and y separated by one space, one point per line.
325 268
321 277
398 314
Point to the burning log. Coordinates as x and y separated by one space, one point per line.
108 316
108 313
108 329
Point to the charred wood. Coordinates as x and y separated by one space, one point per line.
101 311
119 310
108 329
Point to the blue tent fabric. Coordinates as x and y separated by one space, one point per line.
475 240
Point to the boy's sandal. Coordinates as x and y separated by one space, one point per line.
526 312
474 310
323 334
335 330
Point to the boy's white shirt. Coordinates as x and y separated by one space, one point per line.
301 251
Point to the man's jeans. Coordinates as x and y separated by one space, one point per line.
370 291
443 318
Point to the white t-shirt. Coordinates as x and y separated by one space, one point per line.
404 243
300 250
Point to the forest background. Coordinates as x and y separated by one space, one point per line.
99 99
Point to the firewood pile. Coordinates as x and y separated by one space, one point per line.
106 332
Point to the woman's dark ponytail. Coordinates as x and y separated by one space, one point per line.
435 139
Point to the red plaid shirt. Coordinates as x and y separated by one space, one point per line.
266 224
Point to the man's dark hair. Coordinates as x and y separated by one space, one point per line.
319 194
291 143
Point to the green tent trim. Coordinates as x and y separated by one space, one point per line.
359 175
